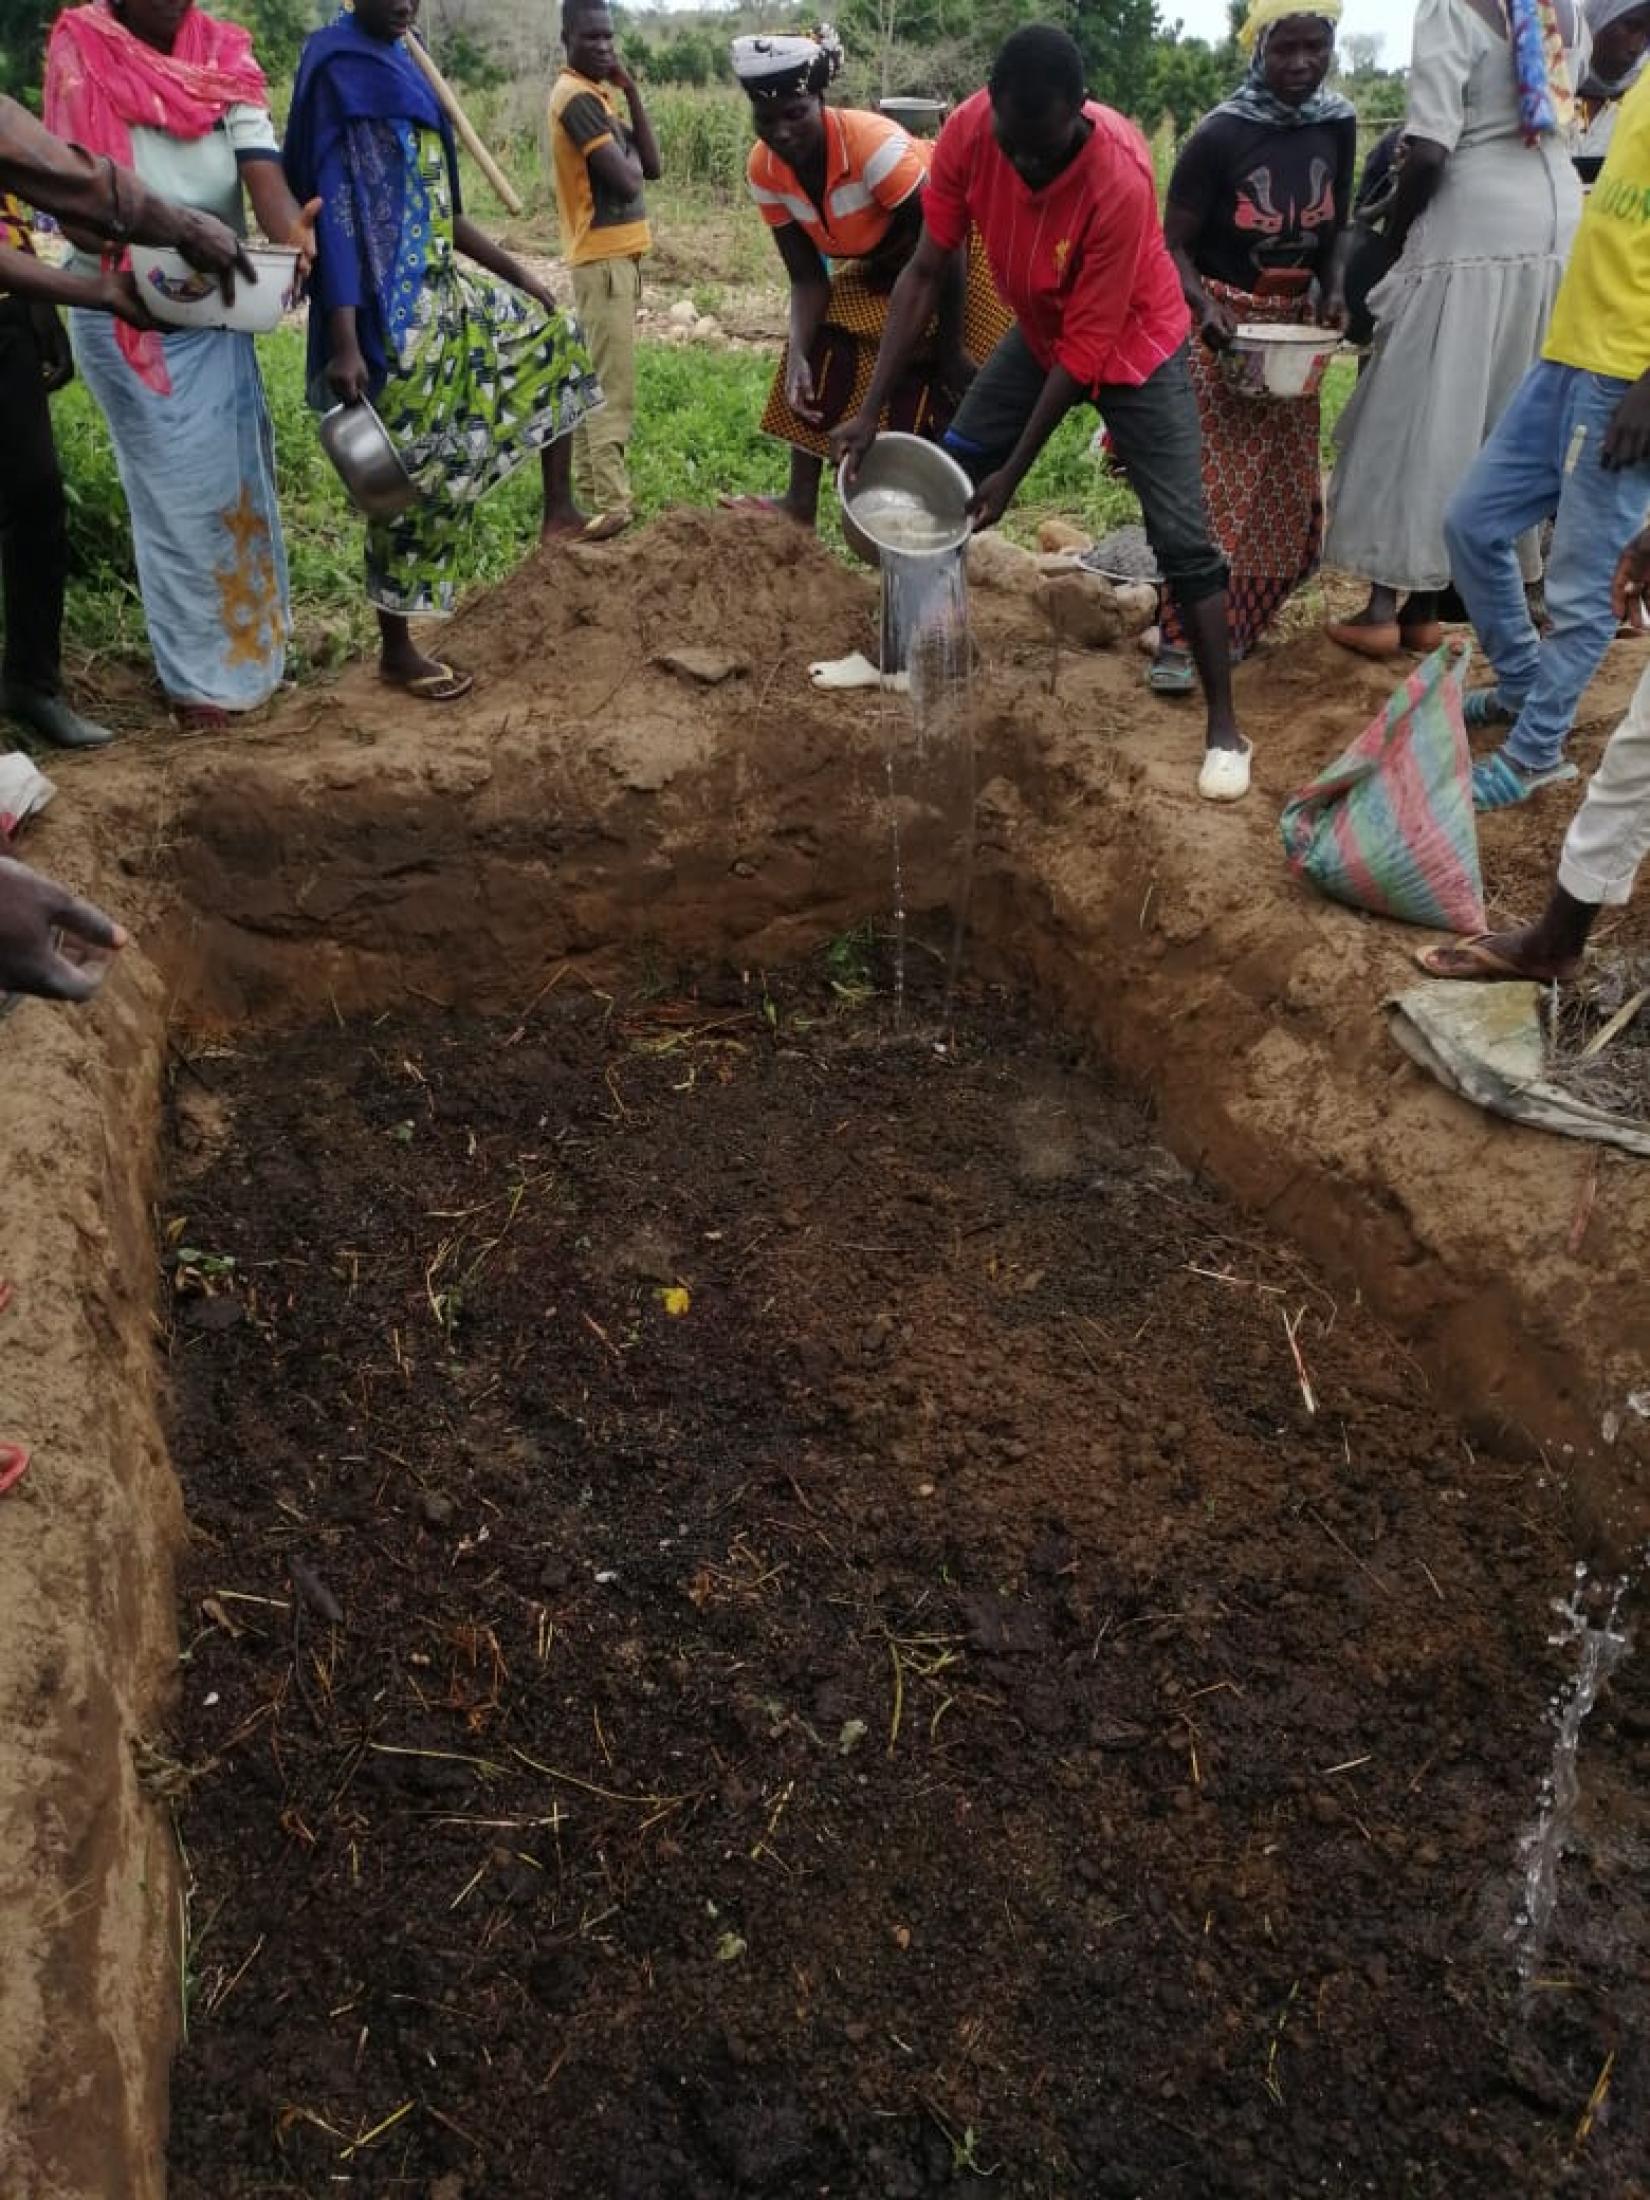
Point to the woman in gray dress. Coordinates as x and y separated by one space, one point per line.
1482 227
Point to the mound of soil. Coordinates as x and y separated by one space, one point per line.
767 1615
754 590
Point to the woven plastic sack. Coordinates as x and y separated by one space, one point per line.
1389 826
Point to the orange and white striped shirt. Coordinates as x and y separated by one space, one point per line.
871 169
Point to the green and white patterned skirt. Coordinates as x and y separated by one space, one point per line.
485 378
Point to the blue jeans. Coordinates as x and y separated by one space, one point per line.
1542 460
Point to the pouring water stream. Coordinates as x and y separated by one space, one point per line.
925 630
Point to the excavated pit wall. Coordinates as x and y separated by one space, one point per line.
588 807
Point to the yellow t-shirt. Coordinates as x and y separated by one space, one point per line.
596 224
1601 320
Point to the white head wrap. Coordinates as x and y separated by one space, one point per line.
772 68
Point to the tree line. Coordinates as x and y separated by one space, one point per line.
1137 60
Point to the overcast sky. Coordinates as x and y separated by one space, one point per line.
1387 20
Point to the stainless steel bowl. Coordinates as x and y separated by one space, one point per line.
908 496
368 463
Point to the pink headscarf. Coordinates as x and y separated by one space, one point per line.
102 82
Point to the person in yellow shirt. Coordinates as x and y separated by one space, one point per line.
601 161
1572 446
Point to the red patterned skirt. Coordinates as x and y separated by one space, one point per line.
1262 480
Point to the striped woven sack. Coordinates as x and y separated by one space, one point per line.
1389 826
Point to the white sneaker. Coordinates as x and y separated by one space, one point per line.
1225 774
857 671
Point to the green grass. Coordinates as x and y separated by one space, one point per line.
696 439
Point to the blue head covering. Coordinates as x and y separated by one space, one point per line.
353 102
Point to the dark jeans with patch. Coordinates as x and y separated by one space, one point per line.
34 533
1154 432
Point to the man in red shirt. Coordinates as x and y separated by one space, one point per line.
1061 190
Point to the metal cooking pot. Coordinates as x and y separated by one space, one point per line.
368 463
904 474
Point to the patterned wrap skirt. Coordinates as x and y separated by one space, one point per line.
1262 480
483 378
845 352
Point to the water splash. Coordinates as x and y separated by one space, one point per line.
1590 1624
925 630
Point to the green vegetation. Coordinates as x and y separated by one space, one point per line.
697 439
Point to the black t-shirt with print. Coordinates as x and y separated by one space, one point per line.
1264 198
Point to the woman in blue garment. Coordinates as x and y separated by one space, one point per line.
470 372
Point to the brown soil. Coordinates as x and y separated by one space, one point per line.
355 854
937 1708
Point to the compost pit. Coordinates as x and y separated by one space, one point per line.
593 810
765 1613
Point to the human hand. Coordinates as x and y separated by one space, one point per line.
1217 324
1331 310
992 498
1627 438
852 440
38 919
540 293
347 375
119 295
956 372
1631 581
799 389
212 247
621 79
302 234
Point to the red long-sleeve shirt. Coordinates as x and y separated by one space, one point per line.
1082 264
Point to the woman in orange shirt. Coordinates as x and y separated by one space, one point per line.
842 192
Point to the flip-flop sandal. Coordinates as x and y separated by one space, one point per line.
1477 962
1366 641
14 1464
443 685
754 507
603 527
200 718
1172 673
1498 784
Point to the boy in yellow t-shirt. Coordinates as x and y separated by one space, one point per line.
1573 446
601 162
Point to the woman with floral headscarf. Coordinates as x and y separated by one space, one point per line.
1255 221
842 192
1484 214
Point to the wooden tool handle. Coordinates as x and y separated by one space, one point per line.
466 129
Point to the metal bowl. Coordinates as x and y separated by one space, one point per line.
908 496
922 117
368 463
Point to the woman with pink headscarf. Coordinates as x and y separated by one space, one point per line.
162 87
